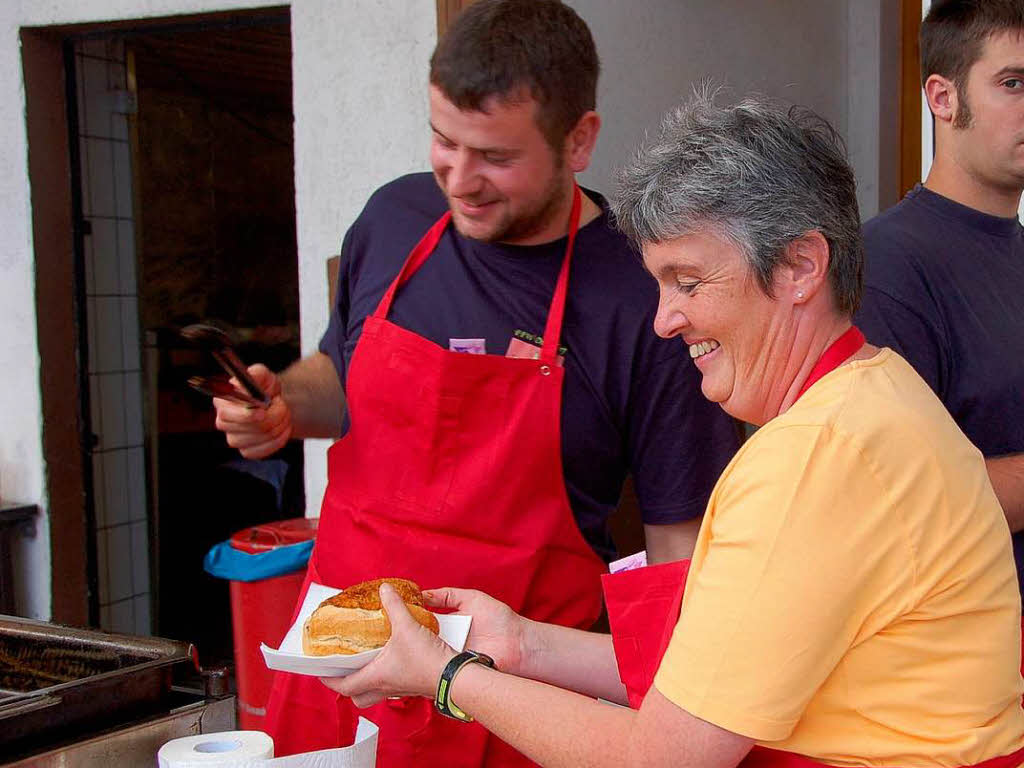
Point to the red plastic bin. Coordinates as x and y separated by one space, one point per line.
261 612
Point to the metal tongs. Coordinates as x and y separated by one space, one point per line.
219 344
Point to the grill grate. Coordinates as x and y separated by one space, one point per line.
28 666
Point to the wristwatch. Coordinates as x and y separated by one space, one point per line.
443 701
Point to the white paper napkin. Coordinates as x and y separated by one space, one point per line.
454 629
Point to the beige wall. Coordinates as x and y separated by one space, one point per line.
839 57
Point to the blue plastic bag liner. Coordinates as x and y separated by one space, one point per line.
226 562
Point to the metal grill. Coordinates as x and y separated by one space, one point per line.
61 681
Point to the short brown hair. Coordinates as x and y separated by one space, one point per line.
954 32
499 47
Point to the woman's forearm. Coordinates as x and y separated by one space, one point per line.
571 658
552 727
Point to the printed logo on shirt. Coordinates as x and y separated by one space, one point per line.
527 346
469 346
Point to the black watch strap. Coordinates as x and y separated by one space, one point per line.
443 699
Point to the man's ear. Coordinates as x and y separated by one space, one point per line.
942 97
580 143
806 269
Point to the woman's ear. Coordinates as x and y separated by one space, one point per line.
806 269
580 143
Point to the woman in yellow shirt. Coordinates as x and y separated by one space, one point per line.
851 598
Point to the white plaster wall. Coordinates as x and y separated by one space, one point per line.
359 74
820 53
360 120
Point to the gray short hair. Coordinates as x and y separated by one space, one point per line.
760 175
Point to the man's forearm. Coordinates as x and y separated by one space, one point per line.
1007 476
675 541
311 389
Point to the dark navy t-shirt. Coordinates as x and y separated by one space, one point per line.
944 287
631 401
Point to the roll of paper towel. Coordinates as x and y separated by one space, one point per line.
255 749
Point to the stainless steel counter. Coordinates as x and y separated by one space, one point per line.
135 746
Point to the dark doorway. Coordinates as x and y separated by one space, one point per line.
185 162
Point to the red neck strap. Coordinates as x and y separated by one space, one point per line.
429 241
838 352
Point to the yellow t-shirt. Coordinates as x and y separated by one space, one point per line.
852 595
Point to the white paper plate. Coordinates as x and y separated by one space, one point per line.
454 629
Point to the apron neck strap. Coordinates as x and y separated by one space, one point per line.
553 327
429 241
837 353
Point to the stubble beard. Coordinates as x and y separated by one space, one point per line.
963 118
526 223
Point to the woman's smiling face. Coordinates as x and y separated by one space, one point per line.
738 336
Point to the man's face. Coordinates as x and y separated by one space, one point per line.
987 139
503 181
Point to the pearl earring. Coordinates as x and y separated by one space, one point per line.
799 294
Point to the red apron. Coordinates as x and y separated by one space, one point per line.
644 604
450 474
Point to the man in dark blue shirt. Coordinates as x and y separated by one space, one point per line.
945 268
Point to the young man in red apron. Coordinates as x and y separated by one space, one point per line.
466 468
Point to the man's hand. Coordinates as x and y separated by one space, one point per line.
496 630
256 432
409 665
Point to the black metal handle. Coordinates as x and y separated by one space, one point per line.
219 344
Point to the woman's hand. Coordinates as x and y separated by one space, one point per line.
496 630
409 665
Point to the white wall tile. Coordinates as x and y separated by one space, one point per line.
119 557
122 179
116 484
94 115
119 127
126 257
130 349
115 64
100 162
105 256
143 626
108 335
133 408
136 477
140 558
112 405
122 617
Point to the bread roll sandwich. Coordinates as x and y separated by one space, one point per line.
354 621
